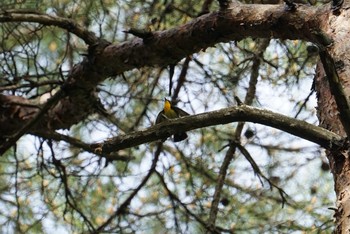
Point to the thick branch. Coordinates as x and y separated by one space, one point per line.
293 126
163 48
169 46
341 99
238 22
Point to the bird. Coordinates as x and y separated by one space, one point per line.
172 112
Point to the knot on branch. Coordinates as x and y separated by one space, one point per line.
144 34
96 49
290 6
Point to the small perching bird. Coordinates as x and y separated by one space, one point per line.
172 112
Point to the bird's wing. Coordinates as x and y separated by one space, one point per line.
179 111
160 117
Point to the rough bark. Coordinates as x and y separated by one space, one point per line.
158 49
168 47
337 26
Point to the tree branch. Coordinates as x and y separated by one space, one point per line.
211 229
164 48
11 140
336 87
250 95
82 145
293 126
18 15
235 23
123 207
169 46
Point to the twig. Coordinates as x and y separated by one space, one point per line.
182 78
212 229
68 194
304 104
122 208
250 95
18 205
82 145
258 172
11 140
172 199
49 20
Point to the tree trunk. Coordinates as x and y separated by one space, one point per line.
168 47
337 27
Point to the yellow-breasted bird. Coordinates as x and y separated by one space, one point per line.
172 112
